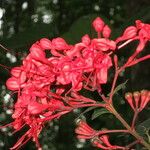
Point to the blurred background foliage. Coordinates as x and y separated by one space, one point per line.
22 22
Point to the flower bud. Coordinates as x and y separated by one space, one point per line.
136 99
37 53
12 84
45 43
129 98
98 24
145 98
139 24
16 71
86 39
106 31
130 32
59 44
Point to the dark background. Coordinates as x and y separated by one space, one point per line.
22 22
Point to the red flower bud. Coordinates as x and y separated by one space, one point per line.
130 32
59 44
16 71
12 84
106 31
45 43
98 24
86 39
129 98
139 24
35 47
145 99
136 99
37 53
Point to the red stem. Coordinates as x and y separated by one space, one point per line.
134 118
139 60
111 131
89 105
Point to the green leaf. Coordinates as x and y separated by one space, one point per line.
119 87
87 110
99 112
29 36
144 128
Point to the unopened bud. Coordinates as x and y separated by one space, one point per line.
145 98
129 98
45 43
86 39
137 99
98 24
130 32
106 31
59 44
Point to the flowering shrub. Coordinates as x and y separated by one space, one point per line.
49 87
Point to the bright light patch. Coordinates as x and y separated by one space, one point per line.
96 8
9 111
1 22
2 11
24 5
11 57
47 18
55 1
35 18
6 98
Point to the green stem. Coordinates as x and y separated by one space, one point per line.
131 131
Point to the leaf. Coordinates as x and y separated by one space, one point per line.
99 112
87 110
119 87
143 128
27 37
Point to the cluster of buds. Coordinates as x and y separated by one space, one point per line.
138 100
84 131
140 31
100 27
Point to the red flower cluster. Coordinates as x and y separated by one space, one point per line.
98 138
43 83
139 32
51 76
138 100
